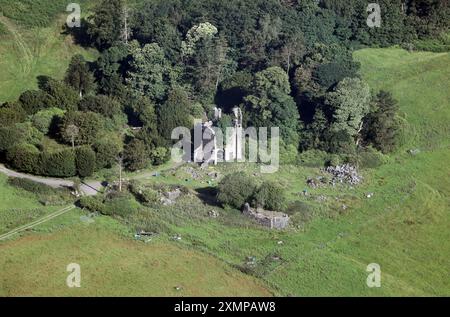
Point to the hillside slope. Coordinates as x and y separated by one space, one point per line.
406 226
30 52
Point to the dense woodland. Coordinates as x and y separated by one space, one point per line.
162 63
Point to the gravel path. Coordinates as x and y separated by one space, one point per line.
90 188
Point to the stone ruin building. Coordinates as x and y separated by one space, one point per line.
209 151
266 218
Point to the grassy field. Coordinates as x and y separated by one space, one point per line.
36 13
30 52
18 207
112 265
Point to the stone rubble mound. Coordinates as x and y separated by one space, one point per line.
346 173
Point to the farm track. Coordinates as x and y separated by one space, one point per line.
37 222
20 42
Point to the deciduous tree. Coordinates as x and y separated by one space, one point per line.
270 104
350 102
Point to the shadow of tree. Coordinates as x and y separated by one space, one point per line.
208 195
80 34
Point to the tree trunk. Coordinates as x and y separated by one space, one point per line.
358 136
218 79
120 162
120 178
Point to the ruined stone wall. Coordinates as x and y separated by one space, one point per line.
269 219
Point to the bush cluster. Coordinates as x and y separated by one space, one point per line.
236 189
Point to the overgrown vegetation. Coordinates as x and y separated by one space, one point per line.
236 189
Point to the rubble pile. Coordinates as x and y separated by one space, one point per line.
193 173
344 174
317 182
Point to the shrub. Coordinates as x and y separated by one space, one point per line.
288 154
149 196
382 126
32 101
53 200
197 110
340 142
145 195
93 204
29 134
117 122
58 164
88 124
48 196
136 155
160 155
8 138
10 116
62 96
106 151
235 190
44 119
270 196
85 161
370 158
121 206
174 113
30 186
24 158
334 160
313 158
